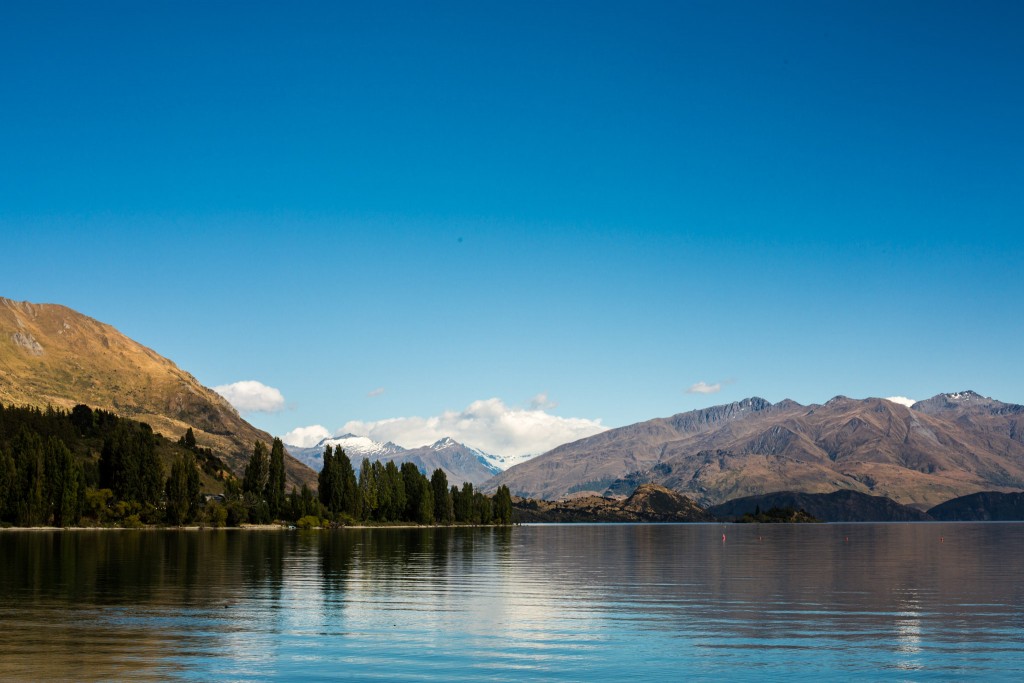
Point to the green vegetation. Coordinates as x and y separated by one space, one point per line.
777 515
91 467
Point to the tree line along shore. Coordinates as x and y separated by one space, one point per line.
91 468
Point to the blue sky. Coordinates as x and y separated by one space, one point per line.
604 203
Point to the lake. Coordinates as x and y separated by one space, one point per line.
549 602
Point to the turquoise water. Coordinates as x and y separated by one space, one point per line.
560 603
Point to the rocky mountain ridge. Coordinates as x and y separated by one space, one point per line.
947 446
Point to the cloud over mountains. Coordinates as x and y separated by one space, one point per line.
250 396
489 425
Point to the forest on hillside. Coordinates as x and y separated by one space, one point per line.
88 467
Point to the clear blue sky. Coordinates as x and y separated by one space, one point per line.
605 202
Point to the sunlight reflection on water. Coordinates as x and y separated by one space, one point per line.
601 602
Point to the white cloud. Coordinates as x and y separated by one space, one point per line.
376 392
541 402
489 425
705 388
306 436
902 400
251 396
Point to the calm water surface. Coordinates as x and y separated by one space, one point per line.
561 603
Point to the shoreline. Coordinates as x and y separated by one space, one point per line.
252 527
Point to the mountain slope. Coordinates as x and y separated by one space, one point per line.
940 449
838 506
52 355
984 506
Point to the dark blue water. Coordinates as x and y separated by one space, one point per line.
560 603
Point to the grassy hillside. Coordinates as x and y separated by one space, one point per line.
51 355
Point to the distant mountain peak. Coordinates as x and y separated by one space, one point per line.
964 395
446 442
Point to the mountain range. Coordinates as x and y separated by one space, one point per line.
51 355
459 462
947 446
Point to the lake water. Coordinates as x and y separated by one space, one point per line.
561 603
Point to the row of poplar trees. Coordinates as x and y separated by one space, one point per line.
384 492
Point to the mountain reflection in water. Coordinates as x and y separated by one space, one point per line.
573 602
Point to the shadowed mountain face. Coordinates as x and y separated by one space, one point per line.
838 506
986 506
52 355
947 446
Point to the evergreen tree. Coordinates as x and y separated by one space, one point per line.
82 418
257 471
30 497
274 492
189 439
129 464
8 485
63 475
443 511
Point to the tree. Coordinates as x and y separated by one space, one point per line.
443 511
8 484
189 440
30 494
502 505
348 501
129 464
396 491
82 418
274 492
63 476
464 504
367 490
183 490
326 478
257 471
419 500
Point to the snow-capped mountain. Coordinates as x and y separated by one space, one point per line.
459 461
355 447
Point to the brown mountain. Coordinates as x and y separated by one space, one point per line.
947 446
838 506
52 355
649 503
